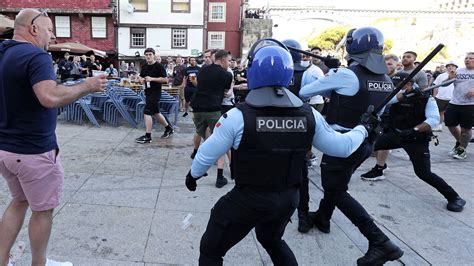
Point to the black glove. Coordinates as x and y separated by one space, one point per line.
331 62
191 181
369 120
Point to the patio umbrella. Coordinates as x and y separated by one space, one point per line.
5 23
76 48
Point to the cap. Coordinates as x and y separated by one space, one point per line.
451 63
149 50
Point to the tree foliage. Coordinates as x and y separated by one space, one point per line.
387 46
443 55
329 38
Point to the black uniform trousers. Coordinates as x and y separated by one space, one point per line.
242 209
336 173
419 153
304 189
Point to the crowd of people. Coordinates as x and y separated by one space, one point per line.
267 137
78 67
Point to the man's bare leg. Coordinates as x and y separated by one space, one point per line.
39 230
10 226
382 156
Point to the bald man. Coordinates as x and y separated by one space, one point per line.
29 153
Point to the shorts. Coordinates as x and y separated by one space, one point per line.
462 115
152 102
181 92
204 120
442 104
226 108
35 178
188 94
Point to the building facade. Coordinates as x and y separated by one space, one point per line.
90 22
171 27
224 25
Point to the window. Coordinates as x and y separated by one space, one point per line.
216 40
179 38
181 6
99 27
63 26
137 37
217 12
139 5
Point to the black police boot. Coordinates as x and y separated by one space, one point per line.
304 222
320 221
381 249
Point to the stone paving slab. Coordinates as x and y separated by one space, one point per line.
125 191
101 232
170 243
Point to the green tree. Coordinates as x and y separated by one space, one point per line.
443 55
387 46
329 38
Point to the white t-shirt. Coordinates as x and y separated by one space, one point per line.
444 93
463 84
229 96
311 74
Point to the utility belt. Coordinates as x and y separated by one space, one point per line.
417 136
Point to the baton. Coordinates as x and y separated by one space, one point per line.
442 84
331 62
407 79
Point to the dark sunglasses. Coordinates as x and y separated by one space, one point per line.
43 13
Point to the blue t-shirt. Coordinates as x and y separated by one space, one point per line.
26 127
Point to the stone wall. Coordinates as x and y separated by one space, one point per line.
253 30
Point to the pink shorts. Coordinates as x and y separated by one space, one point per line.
36 178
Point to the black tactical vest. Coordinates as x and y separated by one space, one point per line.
373 88
408 113
295 84
274 144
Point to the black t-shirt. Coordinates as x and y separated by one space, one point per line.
155 70
212 82
178 74
188 73
240 73
92 66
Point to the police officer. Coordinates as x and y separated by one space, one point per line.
304 221
269 135
411 120
352 90
298 67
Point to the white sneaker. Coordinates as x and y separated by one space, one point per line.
57 263
453 151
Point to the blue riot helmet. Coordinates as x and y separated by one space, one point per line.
365 46
269 65
270 70
295 55
364 39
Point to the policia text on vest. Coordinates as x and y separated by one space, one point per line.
281 124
